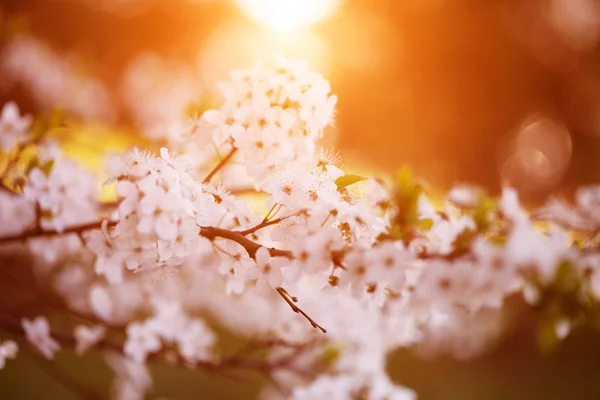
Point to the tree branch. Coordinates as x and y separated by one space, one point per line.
235 362
209 232
220 165
290 300
262 225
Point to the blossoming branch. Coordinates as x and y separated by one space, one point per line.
335 274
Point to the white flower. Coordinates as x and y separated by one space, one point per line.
441 236
562 328
141 340
268 270
532 252
326 163
588 199
195 341
463 196
509 204
347 386
170 324
87 337
16 213
132 379
13 127
100 302
66 196
109 262
38 334
387 263
8 349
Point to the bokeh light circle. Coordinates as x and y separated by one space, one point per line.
538 155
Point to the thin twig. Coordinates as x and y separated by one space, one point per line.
38 232
220 165
209 232
288 299
263 224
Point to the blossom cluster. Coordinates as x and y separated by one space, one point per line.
372 265
274 117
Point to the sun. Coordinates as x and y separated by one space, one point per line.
288 14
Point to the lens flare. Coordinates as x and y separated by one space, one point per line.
288 14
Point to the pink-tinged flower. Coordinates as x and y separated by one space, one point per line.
13 126
87 337
38 334
8 350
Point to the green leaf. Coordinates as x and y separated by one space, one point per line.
405 200
330 355
46 122
566 278
47 167
425 224
347 180
546 336
34 163
482 211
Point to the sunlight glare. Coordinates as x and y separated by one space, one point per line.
288 14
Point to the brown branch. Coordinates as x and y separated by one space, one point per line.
288 299
223 367
38 232
209 232
251 247
262 225
220 165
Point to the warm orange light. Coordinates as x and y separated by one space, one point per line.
288 14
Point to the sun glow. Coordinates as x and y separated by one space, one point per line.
288 14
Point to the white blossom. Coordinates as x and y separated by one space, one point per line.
87 337
38 334
131 380
65 195
8 350
16 213
13 126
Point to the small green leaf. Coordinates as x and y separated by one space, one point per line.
34 163
546 337
347 180
425 224
47 167
330 355
566 278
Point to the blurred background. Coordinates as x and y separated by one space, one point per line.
491 92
